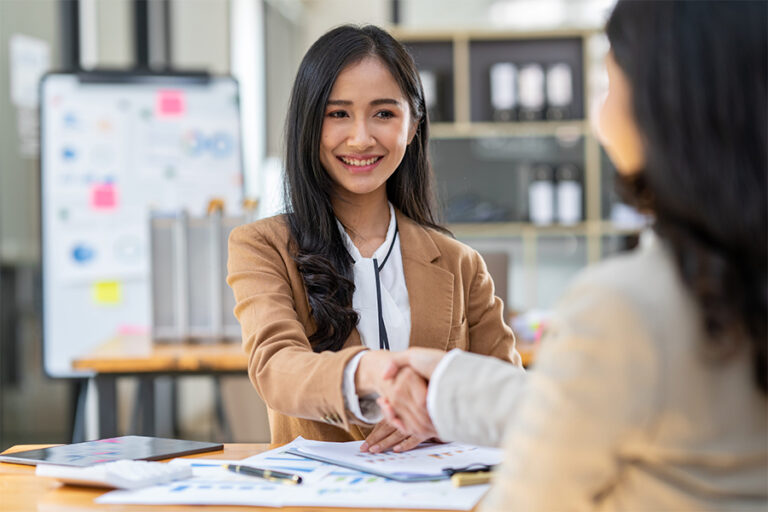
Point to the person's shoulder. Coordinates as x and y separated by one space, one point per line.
452 252
644 281
272 230
646 271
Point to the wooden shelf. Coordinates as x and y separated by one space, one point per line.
569 129
421 34
526 229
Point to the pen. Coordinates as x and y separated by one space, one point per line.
267 474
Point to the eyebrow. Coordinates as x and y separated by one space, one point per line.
377 102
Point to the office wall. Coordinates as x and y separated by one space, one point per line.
19 203
32 407
200 35
321 15
114 30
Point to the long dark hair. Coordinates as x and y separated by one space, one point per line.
318 249
698 73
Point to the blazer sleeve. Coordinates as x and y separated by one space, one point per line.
466 411
593 390
489 334
289 376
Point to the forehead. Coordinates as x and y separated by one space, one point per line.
365 81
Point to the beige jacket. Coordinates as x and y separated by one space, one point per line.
452 305
621 411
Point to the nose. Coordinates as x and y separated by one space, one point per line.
360 136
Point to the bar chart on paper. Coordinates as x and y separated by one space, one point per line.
324 485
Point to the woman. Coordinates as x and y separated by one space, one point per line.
650 392
359 262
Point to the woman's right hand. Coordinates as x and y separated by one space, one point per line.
423 361
369 377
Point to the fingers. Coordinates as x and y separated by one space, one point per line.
389 413
379 432
391 370
394 439
409 443
423 361
406 398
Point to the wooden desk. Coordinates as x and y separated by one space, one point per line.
22 491
137 355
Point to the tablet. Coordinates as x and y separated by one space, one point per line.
105 450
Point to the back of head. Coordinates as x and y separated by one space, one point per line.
698 73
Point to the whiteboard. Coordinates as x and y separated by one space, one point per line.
113 148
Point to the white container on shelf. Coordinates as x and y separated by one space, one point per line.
569 193
531 87
559 90
541 196
429 84
504 91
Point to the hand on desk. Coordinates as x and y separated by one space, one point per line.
385 437
403 393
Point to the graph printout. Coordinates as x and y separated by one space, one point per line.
324 485
424 463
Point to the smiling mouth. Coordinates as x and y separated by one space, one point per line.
359 162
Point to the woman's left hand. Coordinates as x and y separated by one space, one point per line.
384 437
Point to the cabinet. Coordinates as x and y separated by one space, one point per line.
486 156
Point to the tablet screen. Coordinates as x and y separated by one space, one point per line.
106 450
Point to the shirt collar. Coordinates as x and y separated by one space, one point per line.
382 250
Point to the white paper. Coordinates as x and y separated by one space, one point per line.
324 485
427 461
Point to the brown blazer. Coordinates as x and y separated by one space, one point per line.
452 305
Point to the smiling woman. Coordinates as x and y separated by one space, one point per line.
358 265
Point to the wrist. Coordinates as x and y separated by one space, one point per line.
364 382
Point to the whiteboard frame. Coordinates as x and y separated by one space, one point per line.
166 79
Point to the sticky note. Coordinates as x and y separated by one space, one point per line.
170 103
133 329
107 292
104 196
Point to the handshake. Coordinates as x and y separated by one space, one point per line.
401 380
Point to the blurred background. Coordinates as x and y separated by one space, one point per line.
192 110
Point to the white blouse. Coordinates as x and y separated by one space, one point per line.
395 309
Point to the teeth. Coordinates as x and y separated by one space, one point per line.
358 163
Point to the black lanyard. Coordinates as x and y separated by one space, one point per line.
383 340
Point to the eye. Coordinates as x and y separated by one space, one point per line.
385 114
337 114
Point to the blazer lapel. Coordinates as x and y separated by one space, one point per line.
430 288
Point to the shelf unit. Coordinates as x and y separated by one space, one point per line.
462 58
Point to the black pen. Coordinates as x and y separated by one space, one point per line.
267 474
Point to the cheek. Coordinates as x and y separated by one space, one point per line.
327 136
618 135
397 138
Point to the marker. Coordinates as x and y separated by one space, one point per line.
464 479
267 474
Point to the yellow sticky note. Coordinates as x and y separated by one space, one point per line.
107 292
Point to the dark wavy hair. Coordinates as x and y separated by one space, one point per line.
698 73
317 245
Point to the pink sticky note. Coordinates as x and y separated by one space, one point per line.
104 196
170 103
133 329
